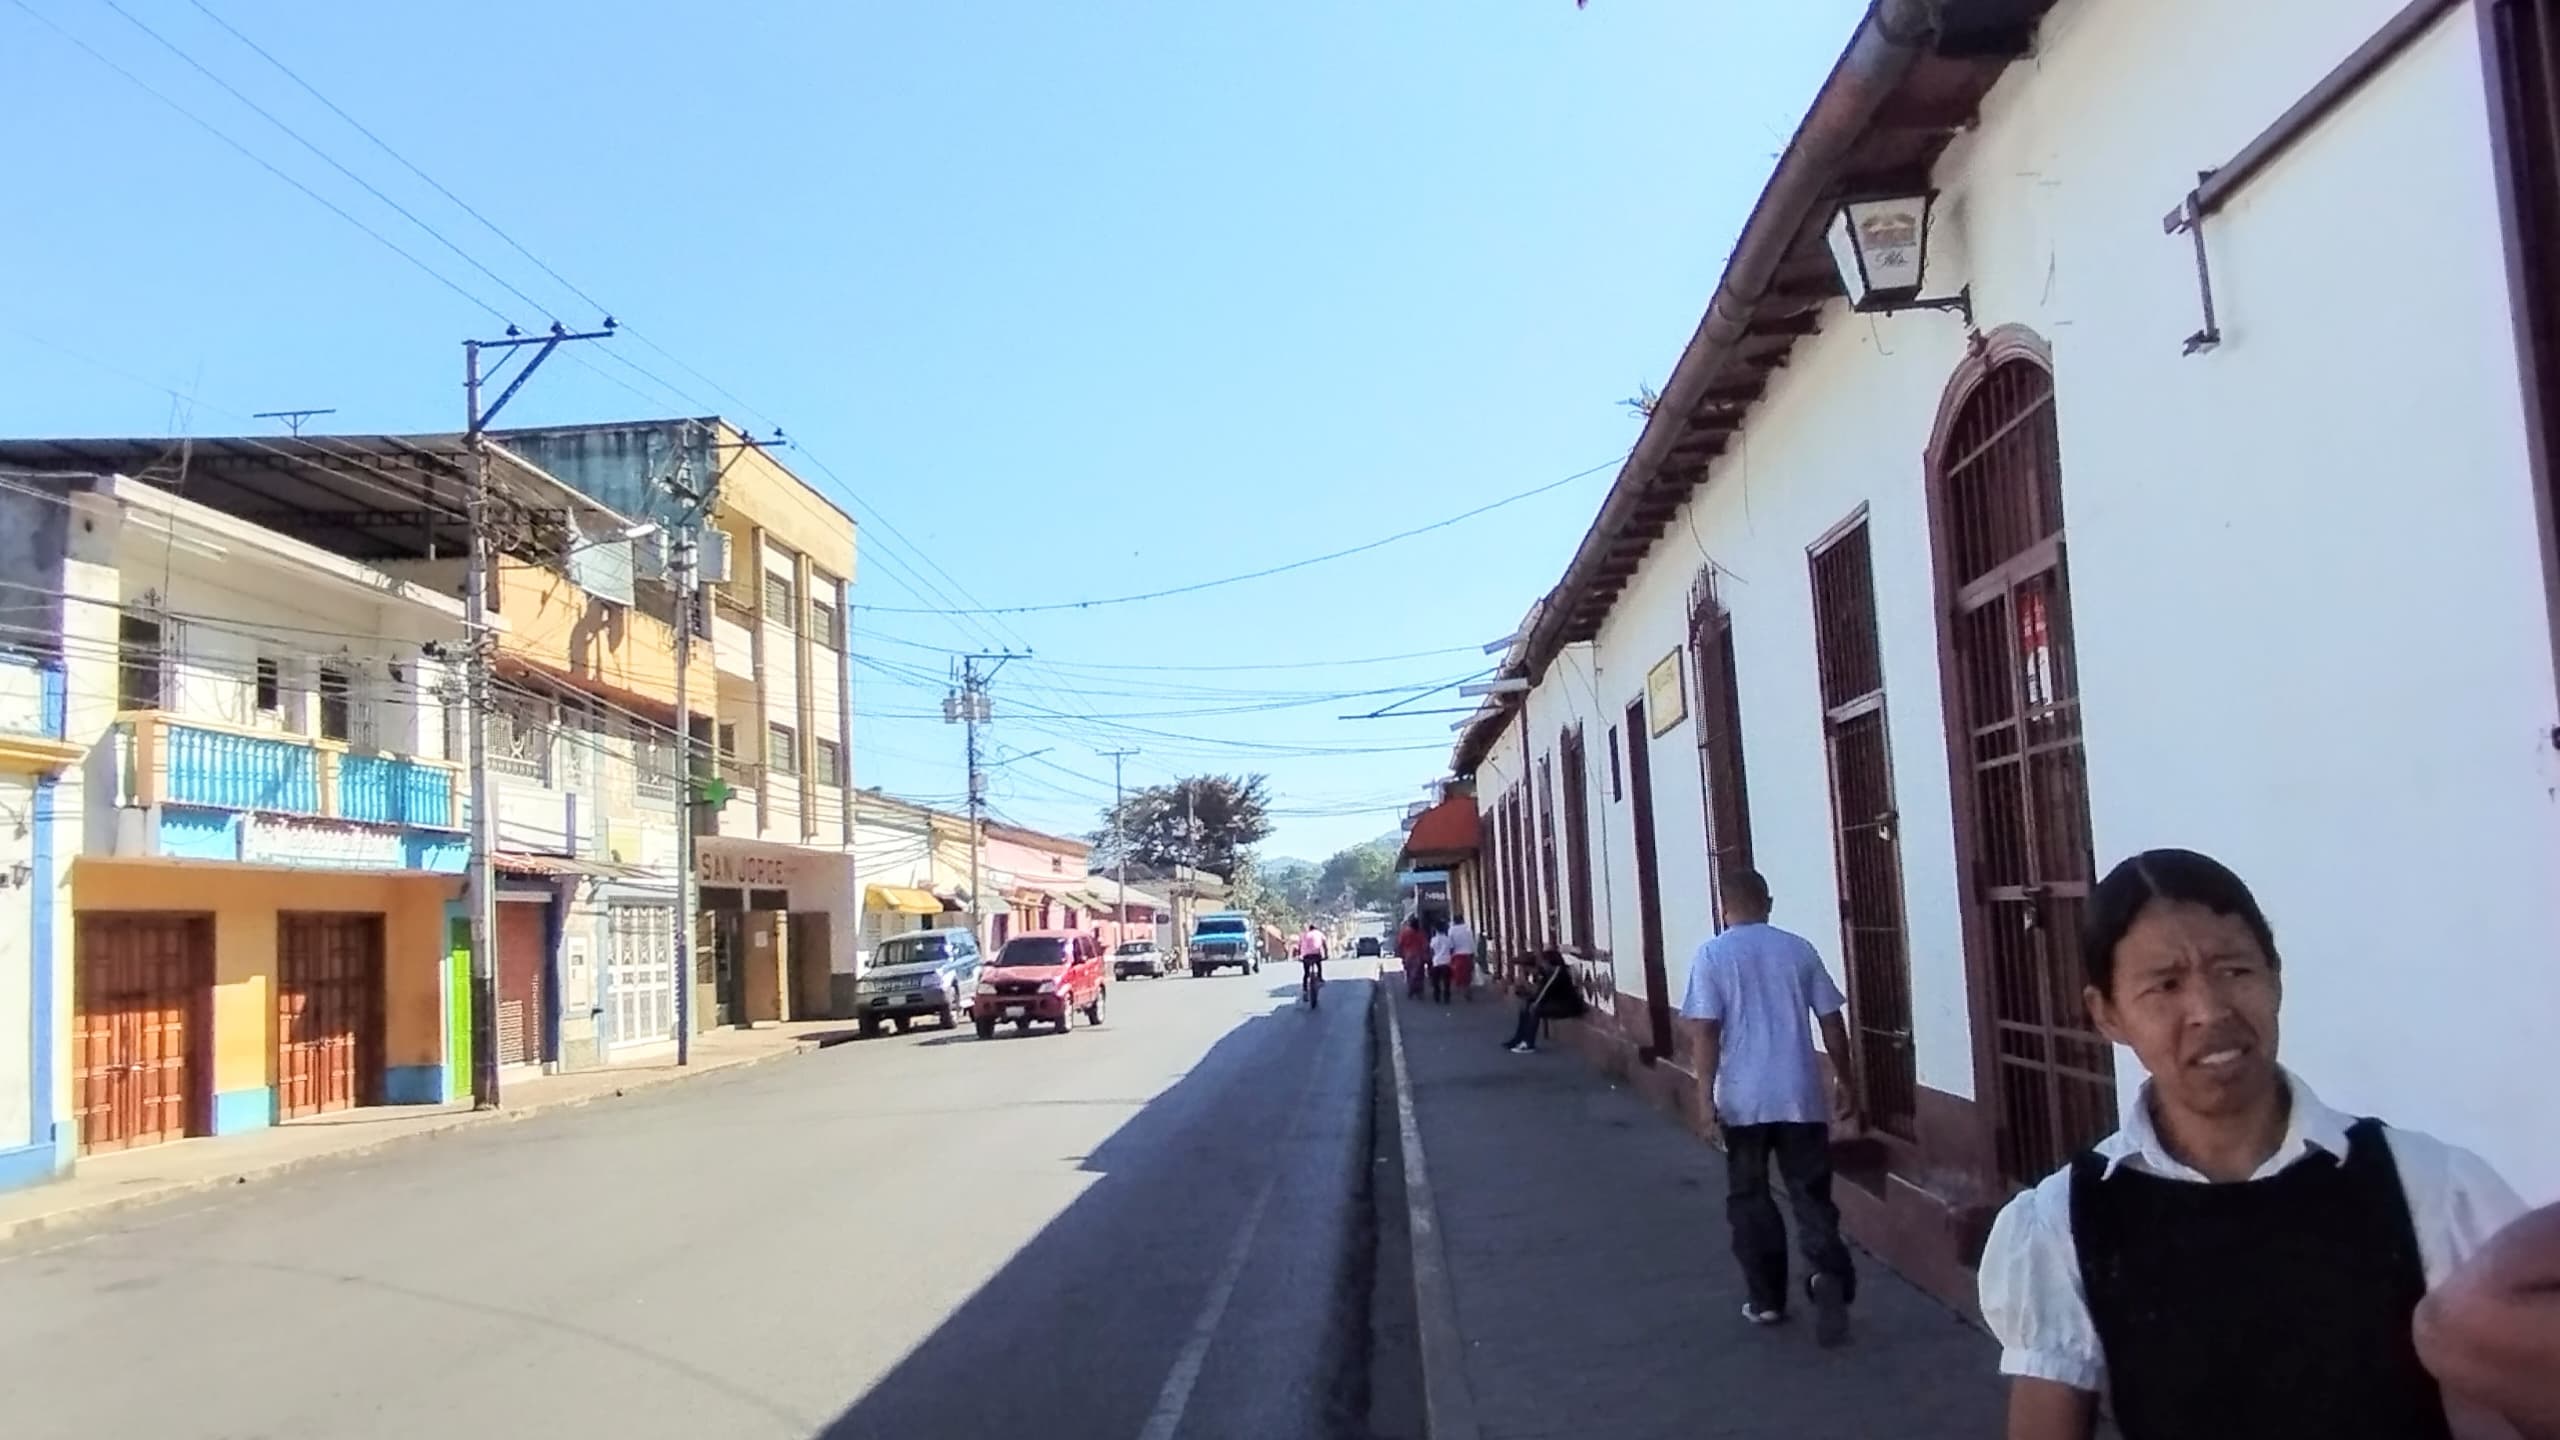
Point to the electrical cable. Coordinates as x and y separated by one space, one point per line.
1330 556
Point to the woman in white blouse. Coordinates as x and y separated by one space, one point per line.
2239 1259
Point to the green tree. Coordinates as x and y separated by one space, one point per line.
1362 877
1210 822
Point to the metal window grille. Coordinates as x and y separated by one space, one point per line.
778 607
782 750
141 673
337 702
1577 842
520 736
1850 661
827 763
2028 859
641 972
822 623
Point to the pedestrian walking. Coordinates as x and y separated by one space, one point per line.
1462 955
1441 959
2238 1259
2490 1334
1414 949
1753 990
1547 993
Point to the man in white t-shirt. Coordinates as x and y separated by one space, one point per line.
1753 991
1462 956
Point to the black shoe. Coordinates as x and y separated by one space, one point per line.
1830 1311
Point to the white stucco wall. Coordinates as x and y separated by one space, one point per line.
889 848
17 995
2304 573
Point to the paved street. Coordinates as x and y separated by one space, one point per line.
1151 1229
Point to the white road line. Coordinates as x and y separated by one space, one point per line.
1175 1397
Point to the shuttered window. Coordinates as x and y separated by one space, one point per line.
1577 843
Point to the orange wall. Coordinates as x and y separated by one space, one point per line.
561 628
243 900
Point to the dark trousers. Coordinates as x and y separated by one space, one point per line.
1803 1154
1440 983
1526 1032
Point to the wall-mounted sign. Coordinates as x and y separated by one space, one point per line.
1666 699
319 844
714 868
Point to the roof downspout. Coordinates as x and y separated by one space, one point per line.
1895 35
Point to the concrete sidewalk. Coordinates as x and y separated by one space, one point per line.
1577 1244
103 1184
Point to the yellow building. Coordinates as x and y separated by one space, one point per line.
781 909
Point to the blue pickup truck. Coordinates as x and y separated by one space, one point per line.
1224 939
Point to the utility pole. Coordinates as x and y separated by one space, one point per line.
1120 843
970 706
475 619
681 563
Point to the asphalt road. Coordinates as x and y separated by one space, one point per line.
1147 1230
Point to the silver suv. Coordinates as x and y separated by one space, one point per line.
922 972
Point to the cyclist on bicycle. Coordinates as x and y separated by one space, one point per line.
1311 955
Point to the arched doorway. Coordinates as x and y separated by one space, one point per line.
2020 776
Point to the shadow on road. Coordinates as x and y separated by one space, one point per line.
1076 1335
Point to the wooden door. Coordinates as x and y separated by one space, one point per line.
2021 779
138 1028
1657 973
328 1012
1719 739
1866 856
524 976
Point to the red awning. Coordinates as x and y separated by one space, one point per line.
1446 831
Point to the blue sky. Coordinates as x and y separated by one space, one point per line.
1079 300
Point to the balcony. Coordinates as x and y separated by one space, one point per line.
174 761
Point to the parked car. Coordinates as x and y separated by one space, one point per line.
1138 957
924 972
1044 976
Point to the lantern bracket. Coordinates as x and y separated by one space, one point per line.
2188 219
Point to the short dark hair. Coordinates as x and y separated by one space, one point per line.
1551 956
2176 876
1746 887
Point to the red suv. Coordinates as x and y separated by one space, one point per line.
1043 975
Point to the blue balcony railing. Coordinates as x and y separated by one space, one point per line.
389 790
178 762
231 771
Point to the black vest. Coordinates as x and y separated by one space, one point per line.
2273 1307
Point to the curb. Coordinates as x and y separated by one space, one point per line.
15 1230
1448 1398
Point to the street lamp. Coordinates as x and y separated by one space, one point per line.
1881 245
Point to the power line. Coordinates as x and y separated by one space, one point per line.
1330 556
1203 669
259 160
326 158
467 208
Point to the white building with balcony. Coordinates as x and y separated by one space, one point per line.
265 833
